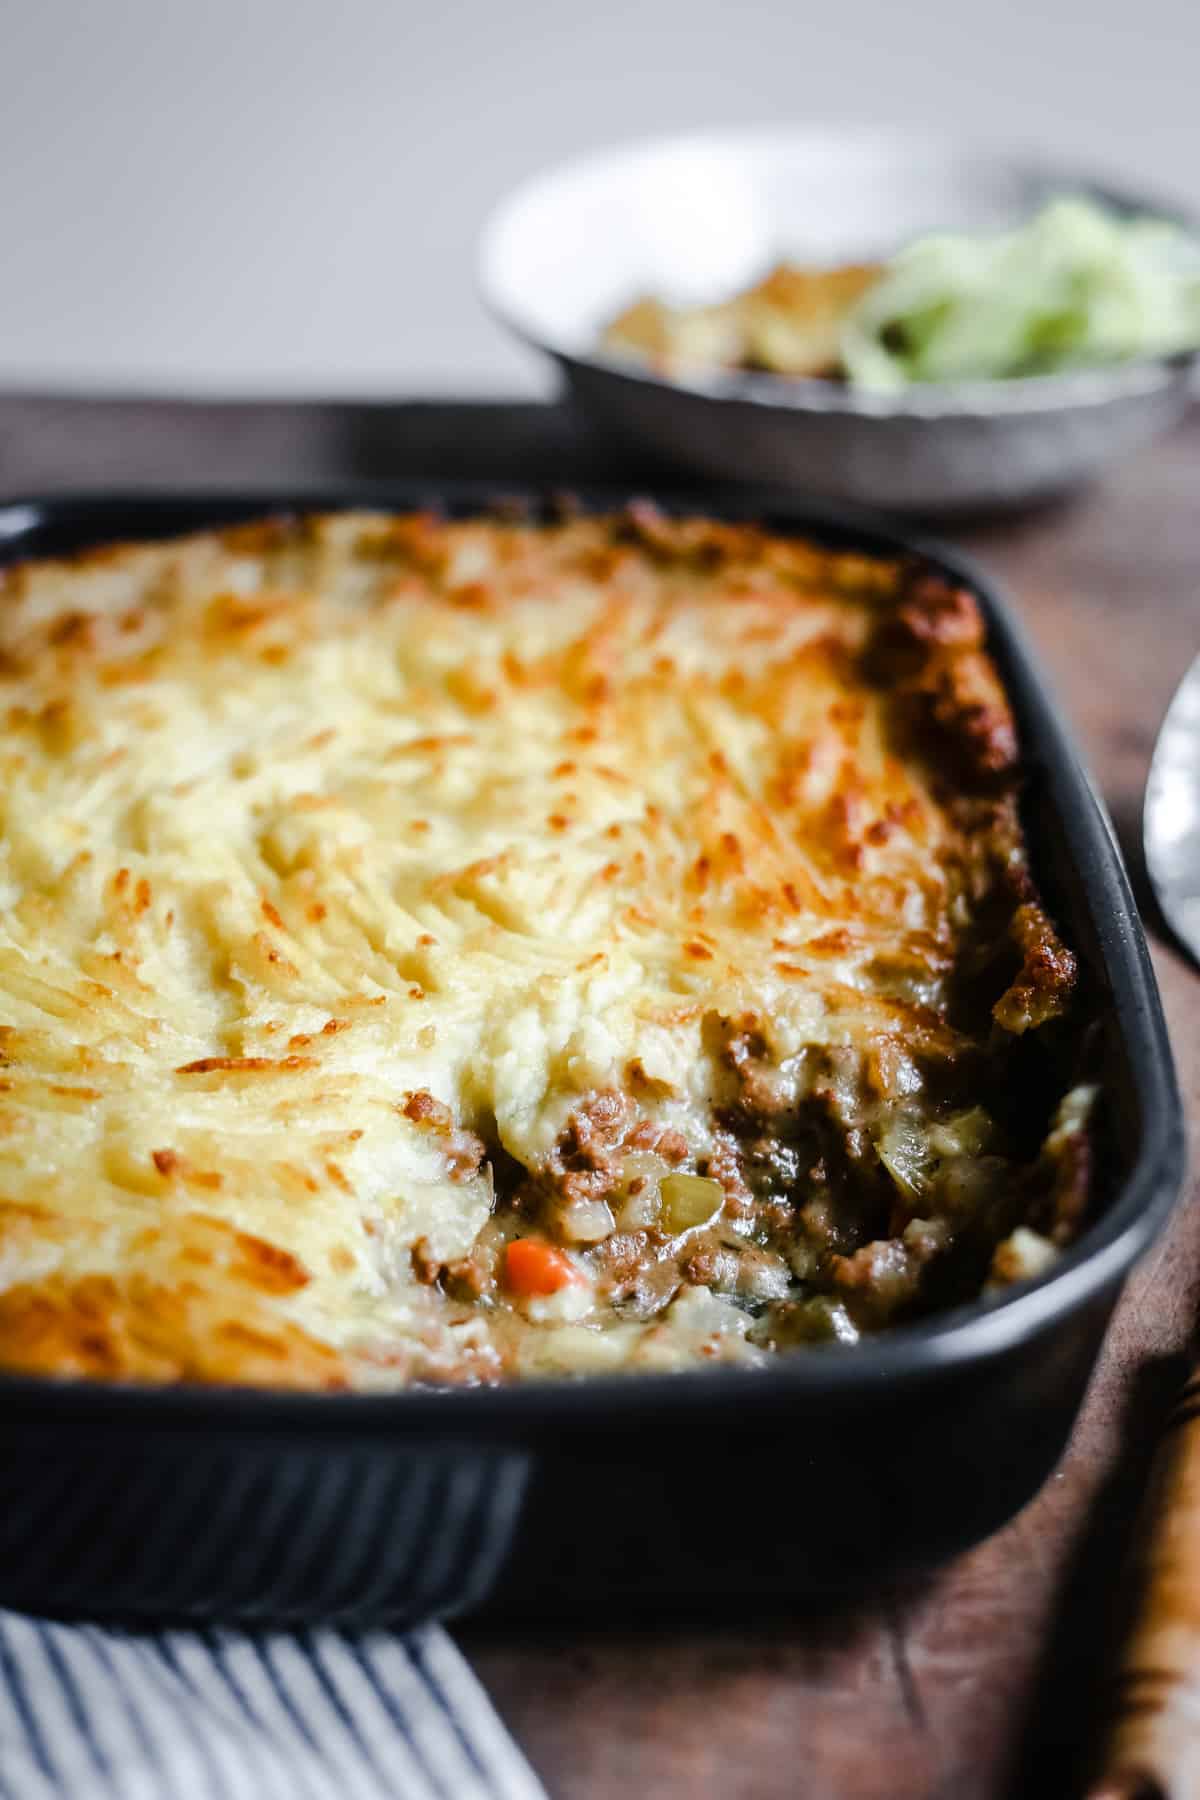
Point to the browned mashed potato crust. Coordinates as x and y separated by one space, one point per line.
380 891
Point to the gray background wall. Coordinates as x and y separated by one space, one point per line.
285 196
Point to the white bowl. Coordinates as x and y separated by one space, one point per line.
693 218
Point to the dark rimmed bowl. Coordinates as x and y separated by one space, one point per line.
718 1488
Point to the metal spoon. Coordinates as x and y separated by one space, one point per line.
1171 816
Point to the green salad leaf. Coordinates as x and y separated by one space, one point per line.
1079 284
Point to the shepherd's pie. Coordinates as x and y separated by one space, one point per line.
444 951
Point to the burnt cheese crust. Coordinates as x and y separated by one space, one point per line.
381 891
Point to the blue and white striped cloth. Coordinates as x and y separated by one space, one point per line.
102 1714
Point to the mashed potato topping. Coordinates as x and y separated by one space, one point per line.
383 893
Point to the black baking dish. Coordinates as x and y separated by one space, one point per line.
726 1487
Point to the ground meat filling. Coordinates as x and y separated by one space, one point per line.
818 1216
810 1226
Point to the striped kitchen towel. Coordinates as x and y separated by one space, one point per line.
102 1714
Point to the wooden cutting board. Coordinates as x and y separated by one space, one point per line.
981 1682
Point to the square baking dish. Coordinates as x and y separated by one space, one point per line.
715 1488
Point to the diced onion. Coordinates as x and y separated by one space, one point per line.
571 1302
639 1198
641 1209
690 1200
762 1280
578 1349
904 1152
828 1321
1021 1257
963 1133
587 1221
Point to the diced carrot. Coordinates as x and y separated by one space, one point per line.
534 1267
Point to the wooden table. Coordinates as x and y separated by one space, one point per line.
982 1682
